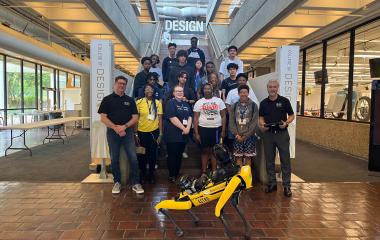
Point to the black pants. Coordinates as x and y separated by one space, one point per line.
174 160
279 140
148 140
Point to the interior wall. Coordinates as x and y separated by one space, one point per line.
344 136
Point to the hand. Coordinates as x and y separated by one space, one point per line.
159 138
185 131
263 128
122 134
198 137
223 134
239 138
283 125
119 128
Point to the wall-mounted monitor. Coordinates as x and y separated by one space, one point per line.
318 77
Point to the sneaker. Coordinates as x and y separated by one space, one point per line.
116 188
184 155
138 188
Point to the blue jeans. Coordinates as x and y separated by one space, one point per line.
115 142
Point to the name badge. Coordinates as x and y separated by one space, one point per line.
151 117
184 122
243 121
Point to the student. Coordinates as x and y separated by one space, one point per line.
180 66
200 77
210 67
177 123
232 58
243 120
209 125
195 53
155 68
140 78
172 47
119 113
230 82
214 82
152 79
233 95
188 93
149 131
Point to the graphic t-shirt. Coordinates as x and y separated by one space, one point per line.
228 84
209 115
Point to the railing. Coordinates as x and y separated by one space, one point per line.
218 51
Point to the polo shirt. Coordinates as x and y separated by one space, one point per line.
119 109
181 110
145 108
275 111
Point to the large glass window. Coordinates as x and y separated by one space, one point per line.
299 84
312 82
29 72
367 46
2 91
13 76
70 80
336 88
62 79
48 88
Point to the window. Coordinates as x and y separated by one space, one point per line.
29 77
77 81
13 76
313 88
70 80
367 46
62 79
336 88
48 89
2 92
299 84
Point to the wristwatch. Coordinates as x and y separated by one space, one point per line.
136 135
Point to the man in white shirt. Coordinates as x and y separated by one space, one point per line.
232 58
233 95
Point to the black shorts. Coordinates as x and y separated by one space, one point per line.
209 136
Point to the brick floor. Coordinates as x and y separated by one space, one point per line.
85 211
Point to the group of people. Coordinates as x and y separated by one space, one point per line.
187 99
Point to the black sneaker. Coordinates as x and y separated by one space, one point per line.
287 192
271 188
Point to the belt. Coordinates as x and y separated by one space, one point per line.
277 131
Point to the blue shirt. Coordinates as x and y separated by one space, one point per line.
181 110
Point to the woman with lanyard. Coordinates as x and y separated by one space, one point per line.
177 124
209 125
243 120
149 131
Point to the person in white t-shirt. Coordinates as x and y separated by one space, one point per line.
209 125
232 58
233 95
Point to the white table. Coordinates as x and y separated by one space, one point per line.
40 124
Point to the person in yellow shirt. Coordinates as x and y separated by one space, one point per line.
149 131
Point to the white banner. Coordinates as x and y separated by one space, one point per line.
101 76
287 58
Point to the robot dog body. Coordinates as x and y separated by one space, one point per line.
226 183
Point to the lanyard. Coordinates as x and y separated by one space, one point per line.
149 107
242 110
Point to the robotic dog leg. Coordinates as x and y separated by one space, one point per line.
235 204
233 189
178 230
194 217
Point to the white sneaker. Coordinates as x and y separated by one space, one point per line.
184 155
116 188
138 188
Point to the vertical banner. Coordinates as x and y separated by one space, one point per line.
287 58
101 81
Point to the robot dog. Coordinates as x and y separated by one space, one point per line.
228 181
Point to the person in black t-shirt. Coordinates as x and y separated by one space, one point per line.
119 113
230 83
194 53
275 115
140 78
172 47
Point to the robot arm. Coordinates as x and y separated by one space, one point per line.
231 187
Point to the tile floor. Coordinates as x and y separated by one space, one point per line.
89 211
